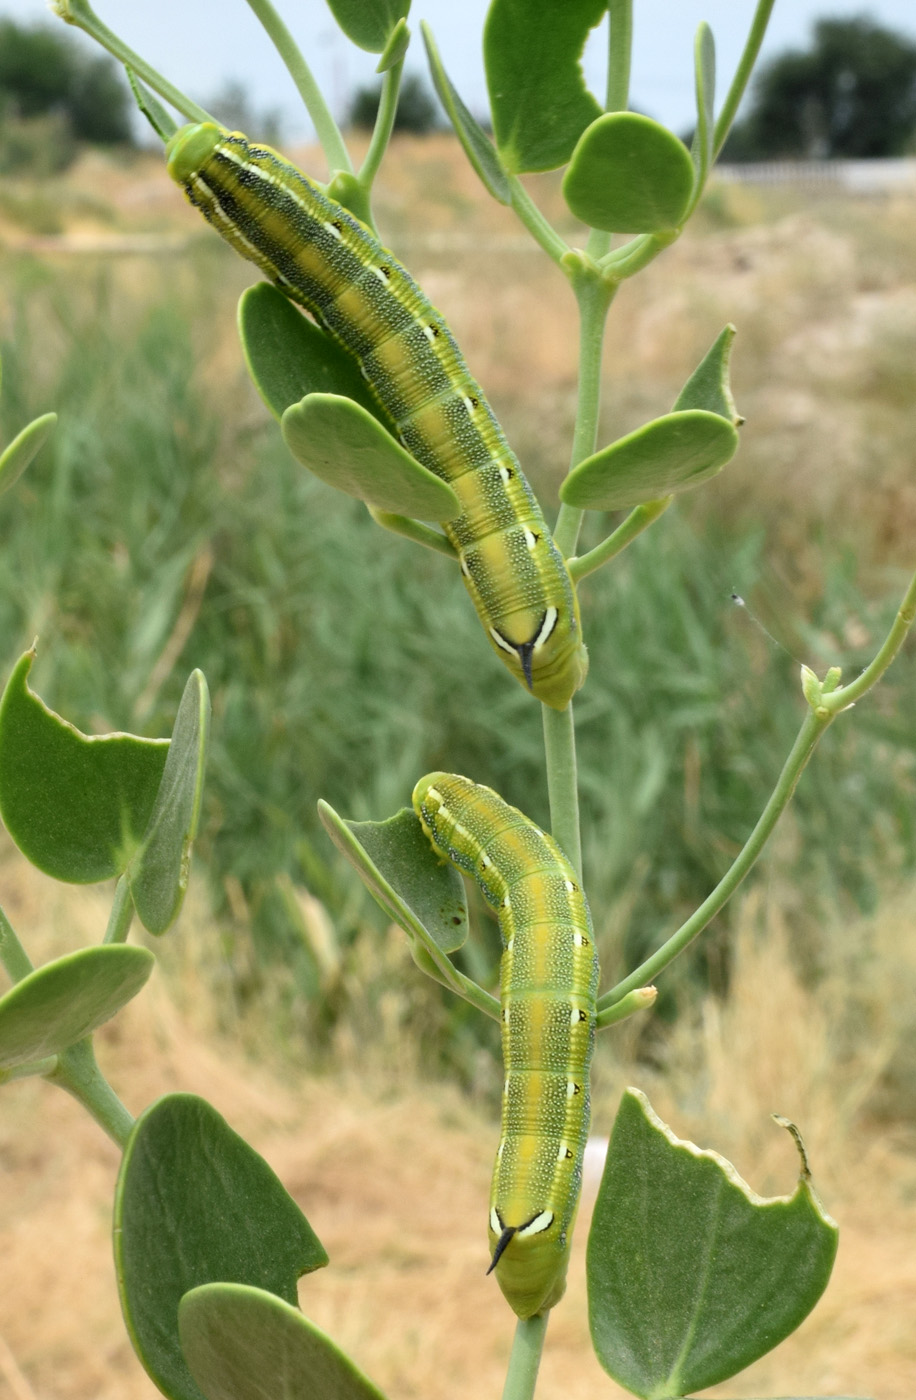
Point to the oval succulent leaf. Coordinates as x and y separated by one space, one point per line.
663 457
159 873
288 356
24 447
63 1001
244 1344
369 23
76 806
691 1275
628 174
343 444
477 145
195 1204
404 876
538 98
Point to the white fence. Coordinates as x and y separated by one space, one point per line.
858 177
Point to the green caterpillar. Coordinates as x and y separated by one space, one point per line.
324 259
548 986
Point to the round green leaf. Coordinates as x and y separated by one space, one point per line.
538 98
348 448
288 356
195 1204
244 1344
159 872
628 174
76 806
665 456
477 145
66 1000
404 875
369 23
691 1275
23 448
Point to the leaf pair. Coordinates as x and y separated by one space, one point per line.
85 809
330 421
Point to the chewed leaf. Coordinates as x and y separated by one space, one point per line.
244 1344
709 387
691 1275
477 145
76 806
369 23
25 446
58 1004
159 873
343 444
628 174
538 98
194 1205
288 356
404 875
667 455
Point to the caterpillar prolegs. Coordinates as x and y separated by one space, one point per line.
324 259
548 987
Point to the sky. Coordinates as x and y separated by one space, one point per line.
202 44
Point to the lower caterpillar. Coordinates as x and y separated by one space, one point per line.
548 988
324 259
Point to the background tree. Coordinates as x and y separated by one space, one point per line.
44 74
852 93
418 110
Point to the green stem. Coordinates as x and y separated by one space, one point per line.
34 1067
562 781
522 1375
541 231
805 743
620 48
332 143
414 530
839 699
81 14
448 976
742 73
122 913
384 125
638 253
638 520
640 1000
594 297
78 1073
12 954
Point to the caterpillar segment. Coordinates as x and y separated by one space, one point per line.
331 264
548 989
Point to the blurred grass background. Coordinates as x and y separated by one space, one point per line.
165 527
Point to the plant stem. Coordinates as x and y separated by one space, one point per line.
620 48
384 125
594 297
332 143
541 231
525 1360
805 743
742 73
638 520
847 695
562 782
78 1073
414 530
12 954
81 14
122 913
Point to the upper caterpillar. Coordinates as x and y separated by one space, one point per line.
324 259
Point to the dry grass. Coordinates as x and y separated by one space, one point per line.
393 1172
